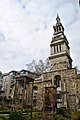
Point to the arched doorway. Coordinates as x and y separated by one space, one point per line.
57 81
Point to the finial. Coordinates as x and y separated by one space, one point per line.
57 18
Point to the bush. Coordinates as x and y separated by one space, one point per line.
60 117
16 115
27 116
4 117
75 115
37 115
63 111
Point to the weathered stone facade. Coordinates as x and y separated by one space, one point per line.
62 76
23 91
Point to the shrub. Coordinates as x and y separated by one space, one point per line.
75 115
27 117
4 117
16 115
37 115
60 117
53 115
63 111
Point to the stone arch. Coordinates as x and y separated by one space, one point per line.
35 88
57 81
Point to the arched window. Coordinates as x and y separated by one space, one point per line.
35 89
57 81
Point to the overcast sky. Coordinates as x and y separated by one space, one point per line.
26 29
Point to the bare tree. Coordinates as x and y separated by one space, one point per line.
39 67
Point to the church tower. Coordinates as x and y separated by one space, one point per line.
60 51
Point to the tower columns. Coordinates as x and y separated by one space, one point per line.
60 50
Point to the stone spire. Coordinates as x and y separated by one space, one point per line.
58 27
60 50
57 18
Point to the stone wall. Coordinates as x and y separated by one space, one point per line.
70 87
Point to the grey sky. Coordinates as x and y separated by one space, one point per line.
26 29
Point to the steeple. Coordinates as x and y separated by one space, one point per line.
57 18
60 50
58 27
